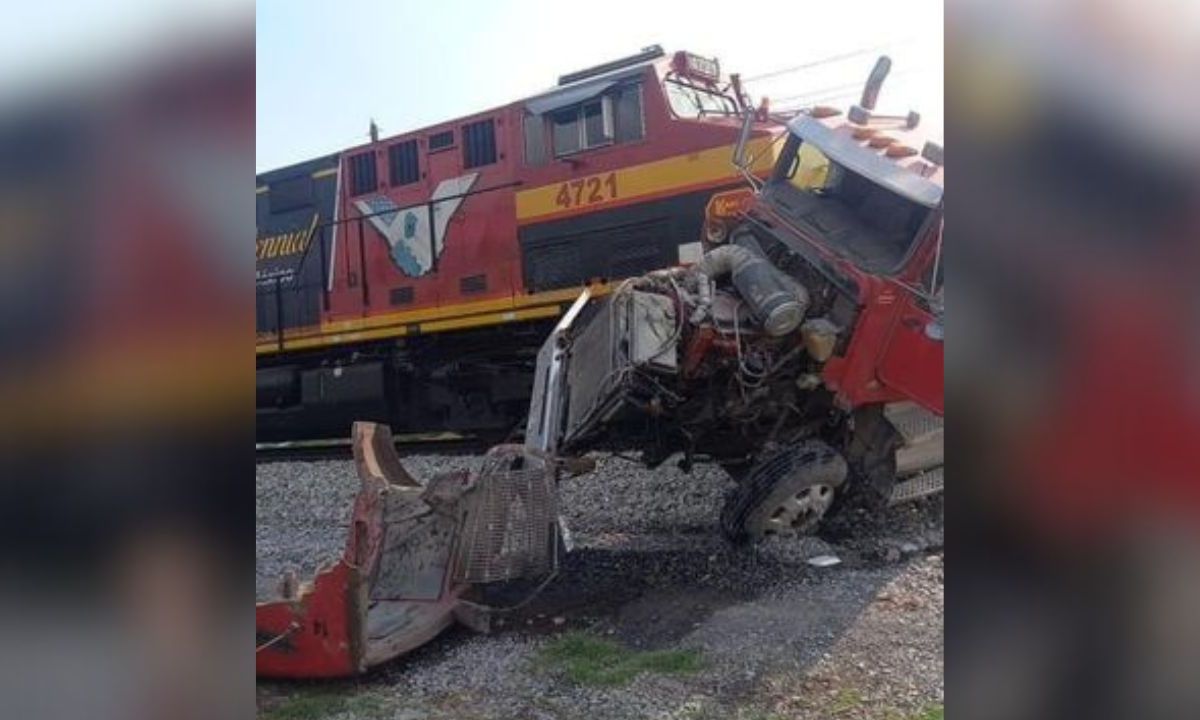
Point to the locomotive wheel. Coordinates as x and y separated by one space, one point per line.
786 494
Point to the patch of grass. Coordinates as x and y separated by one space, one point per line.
847 700
318 704
306 706
760 715
937 712
589 660
365 704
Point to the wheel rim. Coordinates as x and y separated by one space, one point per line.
798 512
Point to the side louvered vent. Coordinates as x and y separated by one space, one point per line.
400 296
472 284
479 143
362 173
403 165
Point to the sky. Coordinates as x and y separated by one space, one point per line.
325 69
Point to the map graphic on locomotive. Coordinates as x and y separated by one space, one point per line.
410 280
408 231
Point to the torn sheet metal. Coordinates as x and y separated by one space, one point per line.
391 591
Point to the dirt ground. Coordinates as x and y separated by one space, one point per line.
655 616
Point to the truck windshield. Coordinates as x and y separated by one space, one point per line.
691 101
873 226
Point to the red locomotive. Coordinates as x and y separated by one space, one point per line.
410 280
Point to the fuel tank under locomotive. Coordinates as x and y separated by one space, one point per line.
477 385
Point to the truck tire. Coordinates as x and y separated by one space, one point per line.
786 494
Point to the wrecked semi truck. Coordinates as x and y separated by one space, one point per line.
803 352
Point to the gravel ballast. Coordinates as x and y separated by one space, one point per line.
651 571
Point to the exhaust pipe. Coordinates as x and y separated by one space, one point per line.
875 80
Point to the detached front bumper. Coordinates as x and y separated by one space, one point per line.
390 592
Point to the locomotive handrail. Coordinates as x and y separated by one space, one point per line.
480 191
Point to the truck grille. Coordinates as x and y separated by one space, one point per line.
509 526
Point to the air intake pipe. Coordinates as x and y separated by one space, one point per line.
775 300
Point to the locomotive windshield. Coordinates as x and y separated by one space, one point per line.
693 101
868 211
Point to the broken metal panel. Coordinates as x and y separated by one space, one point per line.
546 404
652 331
510 519
593 364
920 485
396 628
929 453
414 561
913 422
922 435
632 332
395 587
314 634
355 614
375 456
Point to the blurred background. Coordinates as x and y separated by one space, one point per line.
1073 312
126 401
126 380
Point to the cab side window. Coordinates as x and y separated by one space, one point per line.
627 110
611 117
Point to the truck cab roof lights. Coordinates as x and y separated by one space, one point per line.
934 153
824 111
845 150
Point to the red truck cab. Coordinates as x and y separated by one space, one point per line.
861 199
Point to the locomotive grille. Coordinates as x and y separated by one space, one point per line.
632 258
509 528
554 265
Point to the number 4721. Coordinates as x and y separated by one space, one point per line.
586 191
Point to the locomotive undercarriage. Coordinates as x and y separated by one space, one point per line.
474 382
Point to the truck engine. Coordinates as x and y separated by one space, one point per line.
703 360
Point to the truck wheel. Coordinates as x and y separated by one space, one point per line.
786 494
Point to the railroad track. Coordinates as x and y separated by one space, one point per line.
340 448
